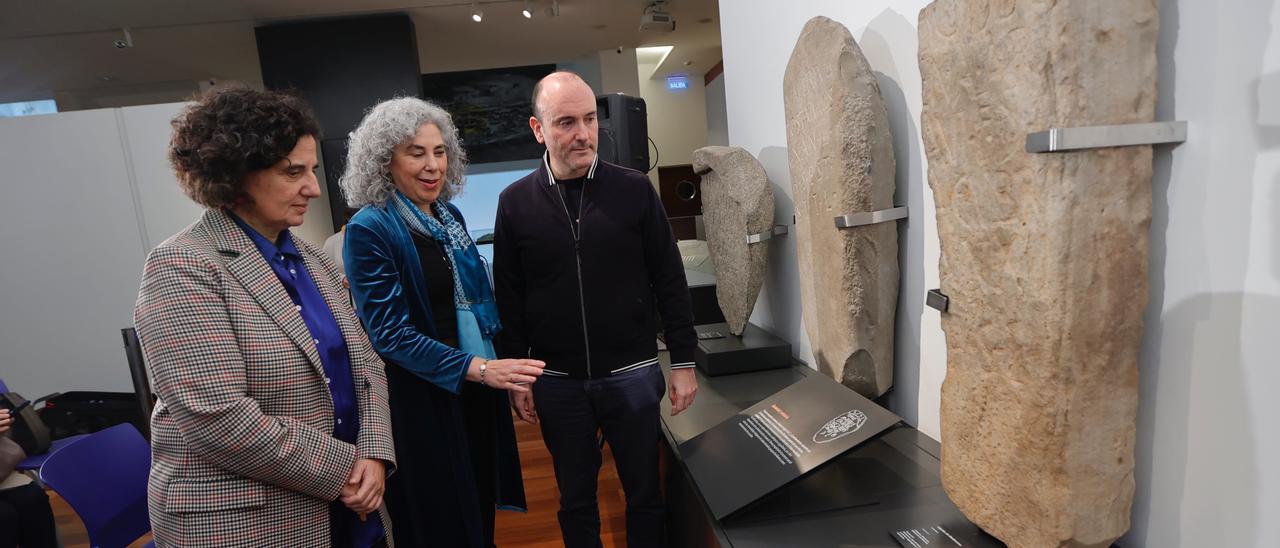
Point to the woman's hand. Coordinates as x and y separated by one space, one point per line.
6 420
363 491
506 374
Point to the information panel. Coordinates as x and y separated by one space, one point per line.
780 439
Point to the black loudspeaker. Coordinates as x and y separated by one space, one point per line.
624 131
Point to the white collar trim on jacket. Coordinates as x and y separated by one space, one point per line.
551 178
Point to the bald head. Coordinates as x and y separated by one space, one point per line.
564 119
553 84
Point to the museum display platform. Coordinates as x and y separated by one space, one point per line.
884 486
720 352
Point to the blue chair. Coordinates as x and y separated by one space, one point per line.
34 462
103 476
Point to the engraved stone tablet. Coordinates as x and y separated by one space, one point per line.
1044 259
841 158
737 201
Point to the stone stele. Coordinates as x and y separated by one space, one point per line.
841 158
1044 258
737 201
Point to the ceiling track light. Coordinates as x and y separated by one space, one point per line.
476 14
527 12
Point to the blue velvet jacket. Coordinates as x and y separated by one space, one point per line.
390 292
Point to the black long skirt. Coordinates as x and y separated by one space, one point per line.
442 492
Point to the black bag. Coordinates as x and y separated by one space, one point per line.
82 412
28 430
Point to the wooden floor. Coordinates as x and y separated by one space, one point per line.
537 528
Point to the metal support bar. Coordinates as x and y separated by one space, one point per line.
777 230
1078 138
871 217
936 300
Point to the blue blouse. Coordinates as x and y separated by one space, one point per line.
288 265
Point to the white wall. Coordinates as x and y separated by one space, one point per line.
163 208
72 253
717 116
756 40
618 72
677 118
1208 368
87 195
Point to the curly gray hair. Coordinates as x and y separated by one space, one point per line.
367 179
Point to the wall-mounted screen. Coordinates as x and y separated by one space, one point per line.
491 109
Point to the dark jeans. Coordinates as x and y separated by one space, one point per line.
26 519
625 409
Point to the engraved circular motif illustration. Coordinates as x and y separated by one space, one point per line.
842 425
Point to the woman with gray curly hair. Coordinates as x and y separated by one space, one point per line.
425 298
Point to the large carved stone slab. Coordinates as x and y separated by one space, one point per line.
841 159
1044 258
737 201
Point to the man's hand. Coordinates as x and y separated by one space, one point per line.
522 402
363 491
6 420
683 386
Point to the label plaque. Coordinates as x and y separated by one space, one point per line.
958 534
776 441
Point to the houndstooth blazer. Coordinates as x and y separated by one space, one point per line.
242 446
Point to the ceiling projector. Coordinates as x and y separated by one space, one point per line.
655 19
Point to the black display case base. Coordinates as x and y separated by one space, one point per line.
720 352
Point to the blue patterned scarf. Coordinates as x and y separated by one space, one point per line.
472 294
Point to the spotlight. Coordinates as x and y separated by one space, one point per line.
476 14
526 12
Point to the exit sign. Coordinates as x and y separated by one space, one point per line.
677 82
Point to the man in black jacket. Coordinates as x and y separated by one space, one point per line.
582 252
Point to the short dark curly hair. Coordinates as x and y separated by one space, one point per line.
231 132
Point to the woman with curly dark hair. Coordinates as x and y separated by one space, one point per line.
272 426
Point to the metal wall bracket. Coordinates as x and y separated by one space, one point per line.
871 217
936 300
777 230
1079 138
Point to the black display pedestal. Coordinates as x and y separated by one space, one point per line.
720 352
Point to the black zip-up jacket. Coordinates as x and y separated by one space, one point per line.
582 298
